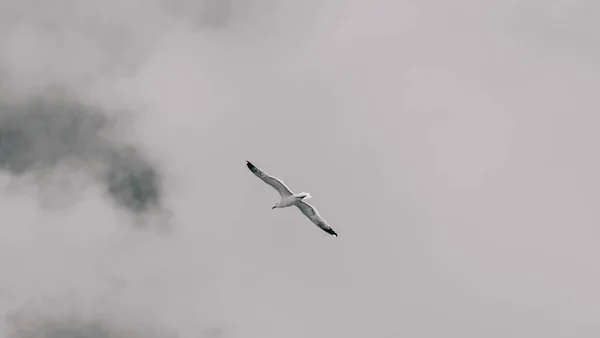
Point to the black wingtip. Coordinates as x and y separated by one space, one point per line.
250 165
331 232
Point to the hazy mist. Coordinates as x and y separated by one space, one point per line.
451 145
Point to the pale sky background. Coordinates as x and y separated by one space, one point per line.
451 144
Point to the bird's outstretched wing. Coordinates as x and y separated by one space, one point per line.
276 183
312 214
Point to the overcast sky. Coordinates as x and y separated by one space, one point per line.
452 145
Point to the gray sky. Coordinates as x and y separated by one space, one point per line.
452 146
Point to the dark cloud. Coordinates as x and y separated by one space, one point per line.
27 324
40 134
132 181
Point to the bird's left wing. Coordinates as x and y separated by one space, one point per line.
312 214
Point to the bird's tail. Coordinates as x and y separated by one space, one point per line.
306 195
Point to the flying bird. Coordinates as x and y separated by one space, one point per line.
288 198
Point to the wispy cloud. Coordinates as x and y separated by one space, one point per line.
450 144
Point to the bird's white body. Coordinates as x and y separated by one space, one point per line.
288 201
288 198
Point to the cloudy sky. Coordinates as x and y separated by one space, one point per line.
452 146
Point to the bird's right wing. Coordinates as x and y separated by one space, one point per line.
312 214
276 183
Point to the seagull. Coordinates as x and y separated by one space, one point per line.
288 198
